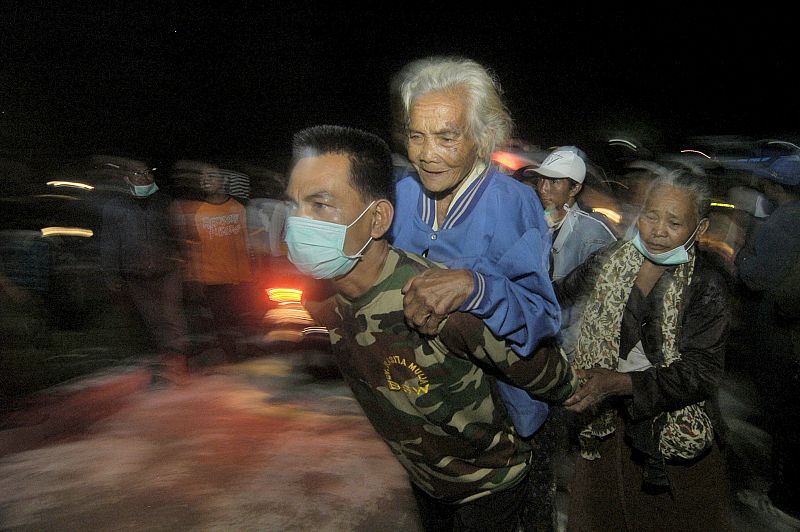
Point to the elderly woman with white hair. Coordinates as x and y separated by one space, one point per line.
457 208
651 356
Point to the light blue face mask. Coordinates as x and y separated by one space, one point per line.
678 255
316 248
142 191
552 219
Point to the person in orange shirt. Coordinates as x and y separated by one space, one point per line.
217 253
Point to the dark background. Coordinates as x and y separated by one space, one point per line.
236 80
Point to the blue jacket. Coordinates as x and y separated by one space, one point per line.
496 229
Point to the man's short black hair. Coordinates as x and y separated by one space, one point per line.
371 169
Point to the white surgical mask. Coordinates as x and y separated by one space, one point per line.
316 247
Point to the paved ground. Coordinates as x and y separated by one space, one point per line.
259 445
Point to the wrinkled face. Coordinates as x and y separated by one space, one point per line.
554 192
668 219
440 145
319 188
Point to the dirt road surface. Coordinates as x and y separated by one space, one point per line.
259 445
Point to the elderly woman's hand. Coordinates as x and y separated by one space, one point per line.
433 294
598 385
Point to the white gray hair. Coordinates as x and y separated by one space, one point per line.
694 184
489 121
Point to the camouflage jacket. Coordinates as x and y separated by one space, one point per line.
435 401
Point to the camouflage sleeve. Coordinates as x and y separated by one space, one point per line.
322 310
546 374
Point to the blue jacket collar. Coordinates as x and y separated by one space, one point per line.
461 206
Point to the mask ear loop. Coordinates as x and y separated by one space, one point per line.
692 240
361 215
360 252
131 186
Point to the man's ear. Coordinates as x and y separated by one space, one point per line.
574 189
382 218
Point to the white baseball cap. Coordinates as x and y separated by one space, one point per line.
563 164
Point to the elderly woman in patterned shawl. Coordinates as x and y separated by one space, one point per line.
651 358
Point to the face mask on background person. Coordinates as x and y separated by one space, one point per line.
554 219
316 247
550 217
141 191
678 255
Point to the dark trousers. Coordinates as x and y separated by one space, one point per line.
498 512
547 442
228 304
779 382
159 301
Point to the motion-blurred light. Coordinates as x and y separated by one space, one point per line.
67 231
71 184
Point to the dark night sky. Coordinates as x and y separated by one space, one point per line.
237 81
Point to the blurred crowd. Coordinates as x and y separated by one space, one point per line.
184 249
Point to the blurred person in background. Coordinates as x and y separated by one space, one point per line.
651 358
433 399
635 179
459 209
214 235
266 219
766 265
140 257
733 227
576 234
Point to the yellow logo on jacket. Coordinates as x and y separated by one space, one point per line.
400 366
